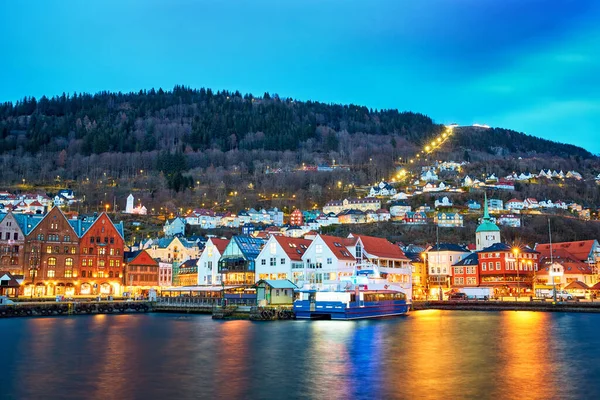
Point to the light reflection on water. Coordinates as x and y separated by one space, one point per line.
429 354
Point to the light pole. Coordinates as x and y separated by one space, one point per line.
516 253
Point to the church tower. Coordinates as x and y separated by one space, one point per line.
129 206
487 232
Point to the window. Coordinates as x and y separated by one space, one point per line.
272 261
100 274
73 250
68 273
101 251
110 274
118 263
112 240
51 273
52 261
358 250
85 250
112 263
283 261
83 273
273 247
263 261
67 238
483 267
319 248
16 236
497 265
69 262
111 252
329 261
91 239
101 263
66 250
49 249
40 236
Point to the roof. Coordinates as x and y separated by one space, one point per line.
381 248
220 244
448 247
338 247
249 246
293 247
12 280
570 263
581 250
596 286
278 284
503 247
470 260
577 285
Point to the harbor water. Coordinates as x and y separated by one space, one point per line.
429 354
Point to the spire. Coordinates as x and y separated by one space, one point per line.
486 214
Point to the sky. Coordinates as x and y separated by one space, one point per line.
527 65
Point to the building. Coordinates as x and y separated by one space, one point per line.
587 251
563 269
511 220
515 204
419 275
131 209
237 265
274 292
352 217
337 206
174 227
101 254
10 284
281 258
508 270
382 189
389 258
141 272
327 260
13 230
440 259
495 205
465 273
487 232
443 202
187 274
208 271
399 209
296 218
172 249
448 220
165 274
415 218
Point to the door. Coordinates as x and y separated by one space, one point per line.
312 298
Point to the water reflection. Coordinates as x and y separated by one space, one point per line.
430 354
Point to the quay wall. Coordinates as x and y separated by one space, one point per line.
543 306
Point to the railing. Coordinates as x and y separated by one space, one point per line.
203 301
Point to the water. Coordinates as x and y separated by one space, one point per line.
429 354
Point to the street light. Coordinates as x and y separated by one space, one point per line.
516 253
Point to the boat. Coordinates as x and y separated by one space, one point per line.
363 295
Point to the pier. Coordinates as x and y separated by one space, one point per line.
44 309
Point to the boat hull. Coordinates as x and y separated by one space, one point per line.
339 311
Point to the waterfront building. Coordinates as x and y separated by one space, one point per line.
101 254
274 292
238 262
327 260
440 259
13 230
487 232
187 274
10 284
418 268
165 274
172 249
507 269
587 251
465 273
563 269
281 258
141 272
390 259
208 271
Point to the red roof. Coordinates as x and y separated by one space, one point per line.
293 247
338 247
571 265
381 248
220 244
35 204
579 250
514 201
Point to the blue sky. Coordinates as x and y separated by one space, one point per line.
528 65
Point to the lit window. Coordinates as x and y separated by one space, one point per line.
51 273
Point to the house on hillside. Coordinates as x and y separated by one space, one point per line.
382 189
174 227
448 220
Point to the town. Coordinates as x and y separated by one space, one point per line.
49 252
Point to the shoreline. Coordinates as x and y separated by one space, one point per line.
473 305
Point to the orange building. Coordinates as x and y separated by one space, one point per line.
296 218
141 272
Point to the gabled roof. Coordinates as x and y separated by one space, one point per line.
249 246
578 285
380 247
220 244
503 247
27 223
10 278
338 247
293 247
580 250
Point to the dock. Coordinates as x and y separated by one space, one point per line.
46 308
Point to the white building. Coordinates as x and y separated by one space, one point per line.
443 202
281 258
130 209
175 226
165 274
440 259
327 260
208 271
382 189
